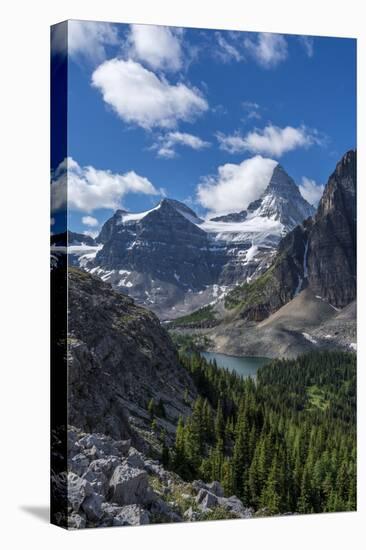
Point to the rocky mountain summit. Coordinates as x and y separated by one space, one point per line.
173 261
110 483
282 201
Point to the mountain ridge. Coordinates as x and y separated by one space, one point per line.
172 261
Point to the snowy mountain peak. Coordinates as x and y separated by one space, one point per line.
281 183
182 209
282 201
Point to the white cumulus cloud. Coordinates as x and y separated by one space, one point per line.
267 49
168 142
272 140
139 96
235 185
251 109
307 43
157 46
311 191
226 50
84 39
90 221
85 188
92 234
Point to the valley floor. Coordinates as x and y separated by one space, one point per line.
307 323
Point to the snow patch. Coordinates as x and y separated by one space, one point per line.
353 346
215 291
255 224
309 338
251 252
137 216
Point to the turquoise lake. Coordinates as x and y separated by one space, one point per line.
245 366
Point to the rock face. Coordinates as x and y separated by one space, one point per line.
319 254
131 496
234 217
129 485
173 262
331 255
164 246
120 358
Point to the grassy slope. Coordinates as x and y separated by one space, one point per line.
199 317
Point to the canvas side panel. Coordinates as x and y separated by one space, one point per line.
59 274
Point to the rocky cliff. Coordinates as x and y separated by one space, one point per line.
319 254
120 359
331 247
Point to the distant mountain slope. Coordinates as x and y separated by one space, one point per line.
71 238
304 324
172 261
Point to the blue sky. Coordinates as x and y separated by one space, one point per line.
196 115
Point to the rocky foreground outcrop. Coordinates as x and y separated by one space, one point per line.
110 483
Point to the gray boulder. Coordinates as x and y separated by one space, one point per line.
128 485
93 453
97 480
234 504
92 506
165 511
198 484
191 515
106 465
72 436
78 464
206 500
210 501
122 447
78 490
110 511
215 488
131 514
76 521
89 440
103 445
135 459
